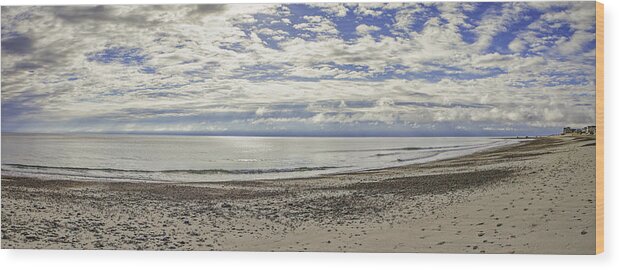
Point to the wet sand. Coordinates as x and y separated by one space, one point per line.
532 197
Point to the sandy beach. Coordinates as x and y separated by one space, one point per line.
532 197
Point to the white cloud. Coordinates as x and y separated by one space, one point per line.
517 45
336 9
364 29
317 24
368 10
575 43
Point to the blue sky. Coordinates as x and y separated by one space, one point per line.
374 69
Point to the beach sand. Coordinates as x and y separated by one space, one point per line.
532 197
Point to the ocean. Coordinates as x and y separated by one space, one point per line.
156 158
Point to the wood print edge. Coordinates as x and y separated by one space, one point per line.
599 116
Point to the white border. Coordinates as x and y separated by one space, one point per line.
53 259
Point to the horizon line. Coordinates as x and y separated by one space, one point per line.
269 135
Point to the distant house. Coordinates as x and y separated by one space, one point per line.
588 130
567 130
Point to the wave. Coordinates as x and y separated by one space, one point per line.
199 171
453 147
417 158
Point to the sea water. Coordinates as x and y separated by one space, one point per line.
208 158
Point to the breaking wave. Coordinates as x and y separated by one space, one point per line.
202 171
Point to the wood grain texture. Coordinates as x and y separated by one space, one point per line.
599 117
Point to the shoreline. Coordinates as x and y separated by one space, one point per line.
485 202
50 177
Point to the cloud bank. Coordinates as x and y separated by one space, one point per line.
397 69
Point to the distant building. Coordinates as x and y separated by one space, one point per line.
588 130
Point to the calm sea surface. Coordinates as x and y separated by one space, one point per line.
204 158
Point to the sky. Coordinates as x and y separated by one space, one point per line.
372 69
